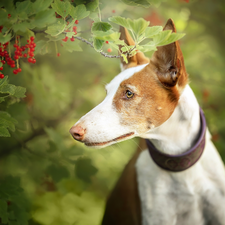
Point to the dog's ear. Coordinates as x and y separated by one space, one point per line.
169 62
135 60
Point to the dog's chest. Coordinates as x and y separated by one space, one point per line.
168 198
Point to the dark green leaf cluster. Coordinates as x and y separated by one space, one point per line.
14 208
8 91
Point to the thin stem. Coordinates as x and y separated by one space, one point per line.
102 53
56 48
99 13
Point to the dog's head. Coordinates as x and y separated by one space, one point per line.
143 96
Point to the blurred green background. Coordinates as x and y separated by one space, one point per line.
65 182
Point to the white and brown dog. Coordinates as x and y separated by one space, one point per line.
176 179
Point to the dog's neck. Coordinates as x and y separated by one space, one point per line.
179 133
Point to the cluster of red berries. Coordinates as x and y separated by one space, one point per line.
72 38
109 49
18 53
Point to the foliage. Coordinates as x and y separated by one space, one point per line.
46 177
56 20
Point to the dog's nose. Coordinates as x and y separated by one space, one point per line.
77 132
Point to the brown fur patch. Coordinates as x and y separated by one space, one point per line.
143 109
136 60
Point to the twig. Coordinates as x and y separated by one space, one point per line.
102 53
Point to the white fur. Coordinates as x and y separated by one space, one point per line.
191 197
102 123
173 198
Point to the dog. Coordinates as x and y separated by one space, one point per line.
176 176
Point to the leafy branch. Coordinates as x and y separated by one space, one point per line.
60 22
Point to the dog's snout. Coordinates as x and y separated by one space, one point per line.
77 132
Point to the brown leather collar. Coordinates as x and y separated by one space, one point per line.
177 163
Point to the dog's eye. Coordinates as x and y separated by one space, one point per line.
129 94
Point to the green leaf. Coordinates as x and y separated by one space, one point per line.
127 48
92 6
3 212
144 3
62 8
41 47
22 16
4 81
3 16
57 172
101 26
6 121
54 38
138 26
69 34
151 31
124 58
4 131
55 29
150 46
73 151
84 169
8 88
44 18
94 16
107 36
24 6
172 38
97 44
56 138
162 36
120 21
4 39
23 27
40 5
79 12
19 92
72 46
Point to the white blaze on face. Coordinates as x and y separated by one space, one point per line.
102 124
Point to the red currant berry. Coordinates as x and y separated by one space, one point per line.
9 15
72 39
12 65
32 38
19 70
58 54
16 57
2 76
33 60
76 21
113 11
30 60
15 72
74 29
32 49
25 55
107 42
3 61
65 39
31 54
109 50
1 68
